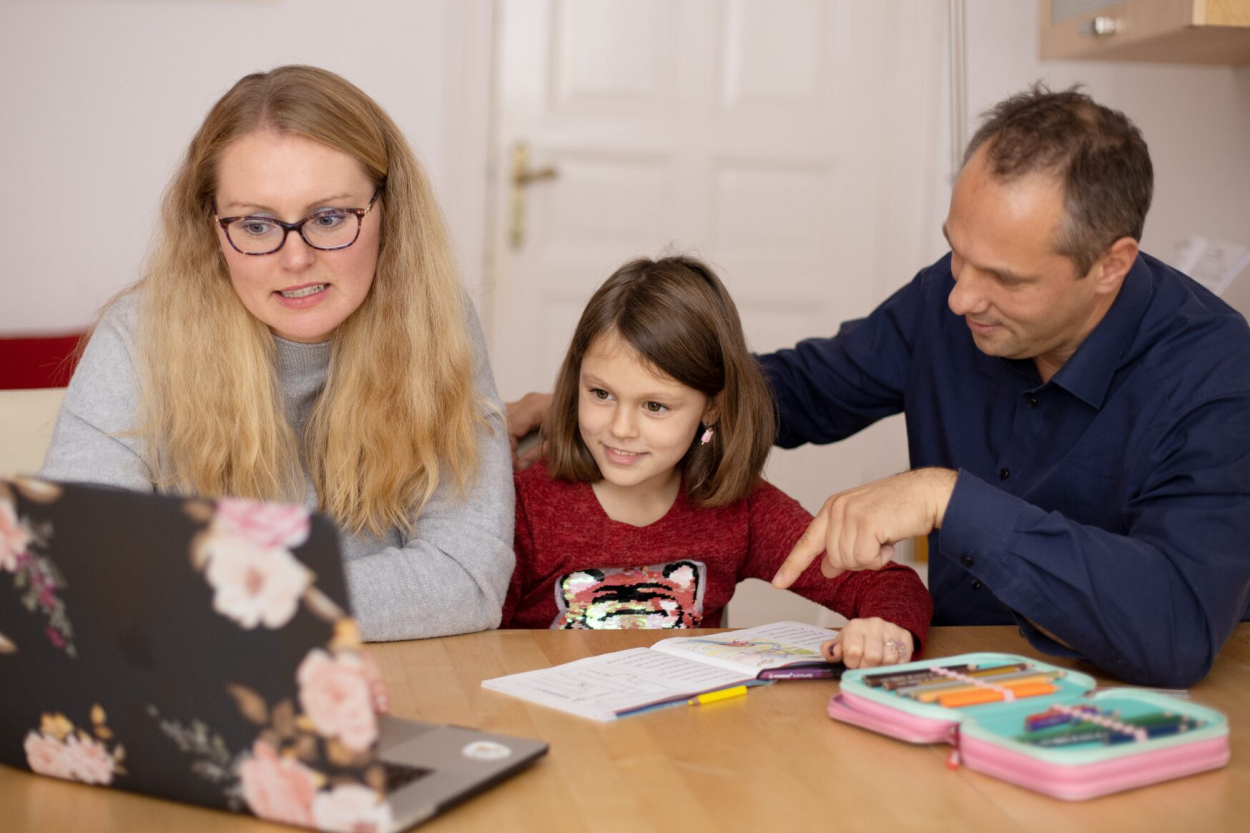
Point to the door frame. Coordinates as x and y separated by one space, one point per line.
470 150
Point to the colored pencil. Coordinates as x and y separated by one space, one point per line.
1008 680
951 682
915 678
876 680
977 696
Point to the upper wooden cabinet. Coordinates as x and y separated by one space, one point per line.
1178 31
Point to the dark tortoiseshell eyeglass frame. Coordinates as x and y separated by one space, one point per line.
287 228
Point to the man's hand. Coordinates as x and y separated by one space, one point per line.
525 415
857 529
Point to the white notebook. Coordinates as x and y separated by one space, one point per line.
668 673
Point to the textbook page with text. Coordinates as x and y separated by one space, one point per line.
670 672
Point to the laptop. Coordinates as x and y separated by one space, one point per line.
201 651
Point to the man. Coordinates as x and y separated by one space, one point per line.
1078 413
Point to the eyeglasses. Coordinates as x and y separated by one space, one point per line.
334 228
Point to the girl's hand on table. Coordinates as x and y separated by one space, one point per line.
867 643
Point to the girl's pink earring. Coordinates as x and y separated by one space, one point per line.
707 436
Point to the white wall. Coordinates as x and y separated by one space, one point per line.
100 98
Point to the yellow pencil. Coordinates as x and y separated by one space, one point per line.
723 694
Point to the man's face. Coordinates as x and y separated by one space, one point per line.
1020 298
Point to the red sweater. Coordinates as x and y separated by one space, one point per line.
578 568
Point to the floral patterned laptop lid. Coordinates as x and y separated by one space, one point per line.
196 650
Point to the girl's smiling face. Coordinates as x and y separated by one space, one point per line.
637 422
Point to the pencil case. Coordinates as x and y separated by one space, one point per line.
1035 724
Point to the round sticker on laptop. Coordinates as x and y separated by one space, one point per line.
486 750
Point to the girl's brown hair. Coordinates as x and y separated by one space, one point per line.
679 317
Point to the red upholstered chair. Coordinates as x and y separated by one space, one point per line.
33 362
33 375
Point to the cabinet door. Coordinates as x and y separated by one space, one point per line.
1175 31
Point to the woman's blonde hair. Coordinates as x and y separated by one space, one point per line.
399 410
679 317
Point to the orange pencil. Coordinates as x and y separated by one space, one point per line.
975 697
930 696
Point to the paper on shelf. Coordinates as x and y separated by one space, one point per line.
1212 263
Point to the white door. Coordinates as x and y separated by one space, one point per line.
791 145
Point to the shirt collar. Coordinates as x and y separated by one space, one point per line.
1087 375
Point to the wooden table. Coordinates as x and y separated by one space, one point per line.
768 761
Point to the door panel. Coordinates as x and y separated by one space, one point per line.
790 145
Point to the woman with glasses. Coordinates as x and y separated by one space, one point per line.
300 334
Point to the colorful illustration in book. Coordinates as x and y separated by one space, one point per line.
625 598
755 653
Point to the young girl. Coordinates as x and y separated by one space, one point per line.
650 508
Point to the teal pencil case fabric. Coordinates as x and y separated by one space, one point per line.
1035 724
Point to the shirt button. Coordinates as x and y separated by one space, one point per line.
966 560
1003 474
1031 401
976 584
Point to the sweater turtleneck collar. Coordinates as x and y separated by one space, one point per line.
302 370
297 360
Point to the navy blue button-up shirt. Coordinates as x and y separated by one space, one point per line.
1110 505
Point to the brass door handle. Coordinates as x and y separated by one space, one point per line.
522 176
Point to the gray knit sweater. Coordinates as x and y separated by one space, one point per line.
449 576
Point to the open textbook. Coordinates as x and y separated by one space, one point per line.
670 672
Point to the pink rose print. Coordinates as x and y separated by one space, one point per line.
377 685
265 525
14 538
351 808
335 694
254 585
47 756
88 760
59 749
247 560
276 788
